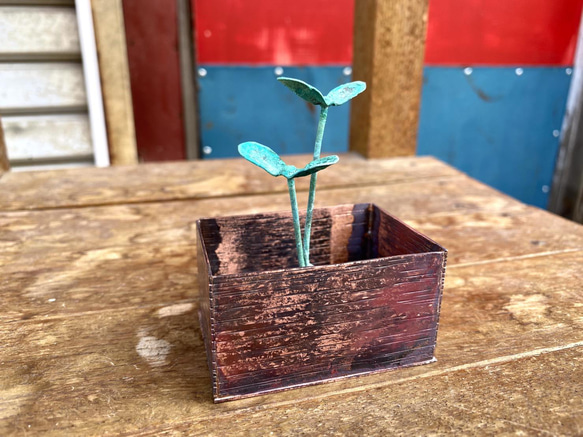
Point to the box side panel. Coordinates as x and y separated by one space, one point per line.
204 310
290 329
393 237
349 233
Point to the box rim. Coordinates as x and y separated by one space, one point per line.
411 228
298 269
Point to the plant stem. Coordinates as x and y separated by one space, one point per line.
296 217
313 178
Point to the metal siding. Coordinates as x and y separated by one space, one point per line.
247 103
267 32
502 32
43 102
36 138
495 125
38 33
470 32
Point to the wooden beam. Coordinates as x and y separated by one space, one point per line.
187 80
4 164
115 80
155 78
389 43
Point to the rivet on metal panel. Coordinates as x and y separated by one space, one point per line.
202 72
569 71
207 150
545 189
278 71
556 133
519 71
468 71
347 71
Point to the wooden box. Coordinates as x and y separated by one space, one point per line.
370 303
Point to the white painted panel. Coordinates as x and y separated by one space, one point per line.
47 137
38 31
37 2
52 166
29 86
92 83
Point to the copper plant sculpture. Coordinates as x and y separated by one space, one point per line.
268 160
367 302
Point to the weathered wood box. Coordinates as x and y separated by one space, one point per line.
370 303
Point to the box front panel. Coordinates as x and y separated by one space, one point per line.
280 329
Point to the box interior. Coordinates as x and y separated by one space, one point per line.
264 242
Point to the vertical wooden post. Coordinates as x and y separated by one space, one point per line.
389 44
187 80
115 80
4 164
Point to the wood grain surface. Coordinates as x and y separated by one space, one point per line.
98 326
194 180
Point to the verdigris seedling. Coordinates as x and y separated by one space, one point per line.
268 160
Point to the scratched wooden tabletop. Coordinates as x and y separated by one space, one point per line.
99 333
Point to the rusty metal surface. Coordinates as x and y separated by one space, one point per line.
370 303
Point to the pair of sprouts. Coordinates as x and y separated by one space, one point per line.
268 160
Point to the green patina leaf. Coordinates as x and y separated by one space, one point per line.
305 91
315 166
343 93
262 156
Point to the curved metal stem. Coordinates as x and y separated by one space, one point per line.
313 178
296 217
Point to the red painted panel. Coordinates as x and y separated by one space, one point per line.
274 32
152 40
502 32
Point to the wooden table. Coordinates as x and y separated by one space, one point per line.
98 326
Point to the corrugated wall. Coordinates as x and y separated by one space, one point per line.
496 78
43 104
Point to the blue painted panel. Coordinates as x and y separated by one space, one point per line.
247 103
496 125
